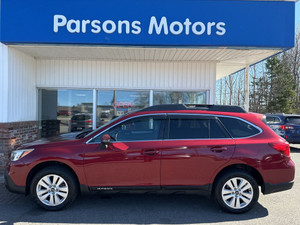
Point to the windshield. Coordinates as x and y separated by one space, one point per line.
293 120
113 120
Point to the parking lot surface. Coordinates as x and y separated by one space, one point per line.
279 208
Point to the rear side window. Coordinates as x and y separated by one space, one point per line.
186 128
196 128
238 128
217 130
293 120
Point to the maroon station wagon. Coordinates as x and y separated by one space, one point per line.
220 151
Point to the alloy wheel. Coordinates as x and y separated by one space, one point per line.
52 190
237 193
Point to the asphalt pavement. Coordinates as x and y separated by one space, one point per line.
278 208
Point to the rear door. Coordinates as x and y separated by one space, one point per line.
194 148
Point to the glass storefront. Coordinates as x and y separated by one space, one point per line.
176 97
63 110
111 104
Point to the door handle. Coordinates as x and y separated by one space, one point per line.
150 152
218 149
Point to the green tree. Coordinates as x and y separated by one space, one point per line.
282 96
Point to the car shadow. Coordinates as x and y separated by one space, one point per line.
127 209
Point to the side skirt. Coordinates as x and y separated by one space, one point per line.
201 190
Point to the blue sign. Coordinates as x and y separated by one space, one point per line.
246 24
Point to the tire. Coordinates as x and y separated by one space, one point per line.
236 191
54 188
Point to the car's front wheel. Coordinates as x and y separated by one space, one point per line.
236 191
54 188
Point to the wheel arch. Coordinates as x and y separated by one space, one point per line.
249 169
43 165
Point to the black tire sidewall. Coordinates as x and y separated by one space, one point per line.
68 177
227 176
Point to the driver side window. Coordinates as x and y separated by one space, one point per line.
137 129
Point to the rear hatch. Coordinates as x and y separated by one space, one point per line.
292 126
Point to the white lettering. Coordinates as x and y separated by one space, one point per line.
59 21
187 23
136 29
96 26
83 25
194 28
163 24
156 26
209 26
127 26
221 28
76 29
172 27
109 23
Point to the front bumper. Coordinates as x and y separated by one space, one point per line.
11 186
272 188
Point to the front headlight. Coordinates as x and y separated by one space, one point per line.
18 154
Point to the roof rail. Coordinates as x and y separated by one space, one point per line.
218 108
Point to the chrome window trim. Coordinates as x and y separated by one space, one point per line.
128 141
214 115
187 114
143 115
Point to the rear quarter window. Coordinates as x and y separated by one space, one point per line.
238 128
272 119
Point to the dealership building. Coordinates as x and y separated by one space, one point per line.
71 65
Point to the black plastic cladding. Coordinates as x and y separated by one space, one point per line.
218 108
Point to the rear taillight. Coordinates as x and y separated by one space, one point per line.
287 127
282 147
88 121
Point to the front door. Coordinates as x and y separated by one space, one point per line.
133 157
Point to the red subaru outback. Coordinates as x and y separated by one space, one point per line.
220 151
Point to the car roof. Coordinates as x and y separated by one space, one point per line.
193 107
282 115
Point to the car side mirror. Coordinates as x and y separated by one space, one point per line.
105 140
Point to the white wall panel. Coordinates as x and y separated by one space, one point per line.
192 76
3 82
22 92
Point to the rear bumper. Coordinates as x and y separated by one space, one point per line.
272 188
11 186
293 139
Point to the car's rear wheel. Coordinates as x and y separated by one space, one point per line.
54 188
236 191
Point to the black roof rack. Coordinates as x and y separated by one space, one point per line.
218 108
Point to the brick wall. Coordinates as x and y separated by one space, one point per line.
13 135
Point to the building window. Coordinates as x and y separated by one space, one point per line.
111 104
62 111
177 97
